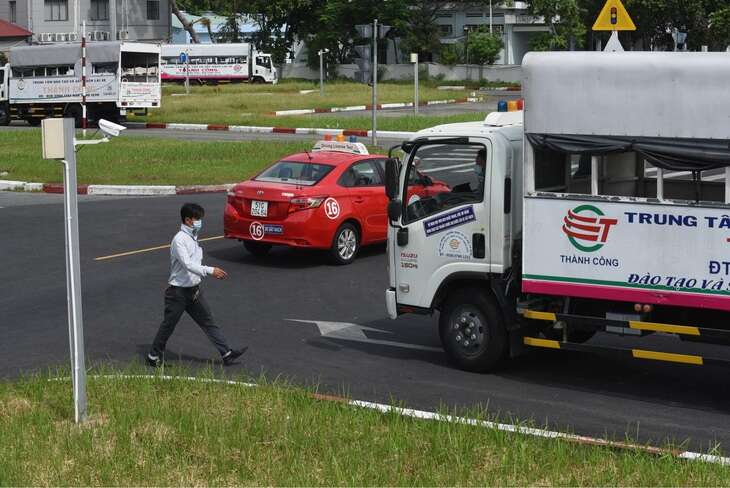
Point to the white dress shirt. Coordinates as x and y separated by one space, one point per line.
186 256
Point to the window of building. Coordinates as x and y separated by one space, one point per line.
446 30
104 68
474 15
99 10
56 9
13 13
153 10
444 15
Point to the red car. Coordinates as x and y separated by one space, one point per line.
331 198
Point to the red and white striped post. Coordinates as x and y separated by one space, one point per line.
83 77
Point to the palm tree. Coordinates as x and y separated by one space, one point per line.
188 26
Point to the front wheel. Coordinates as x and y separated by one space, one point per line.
346 244
257 248
472 331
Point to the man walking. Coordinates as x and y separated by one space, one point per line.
184 293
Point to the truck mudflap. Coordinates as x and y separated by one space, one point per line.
626 327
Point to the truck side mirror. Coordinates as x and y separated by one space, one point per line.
391 178
395 208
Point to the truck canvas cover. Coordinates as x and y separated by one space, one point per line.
64 54
672 110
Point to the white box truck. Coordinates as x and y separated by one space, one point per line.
45 81
217 63
603 207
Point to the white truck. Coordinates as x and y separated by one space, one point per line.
45 81
217 63
604 207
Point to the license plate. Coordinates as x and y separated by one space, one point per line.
259 209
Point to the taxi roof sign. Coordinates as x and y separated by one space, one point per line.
614 17
337 146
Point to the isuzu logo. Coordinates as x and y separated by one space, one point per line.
260 192
587 228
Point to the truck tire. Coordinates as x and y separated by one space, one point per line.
4 114
472 331
258 249
345 244
33 121
74 112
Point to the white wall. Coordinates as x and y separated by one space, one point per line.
509 73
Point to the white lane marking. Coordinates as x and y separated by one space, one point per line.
347 331
446 168
426 415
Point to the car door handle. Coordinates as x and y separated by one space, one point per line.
359 200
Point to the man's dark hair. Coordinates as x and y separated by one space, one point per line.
192 211
482 153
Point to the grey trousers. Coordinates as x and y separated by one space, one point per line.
192 301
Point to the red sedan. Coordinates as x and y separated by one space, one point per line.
331 198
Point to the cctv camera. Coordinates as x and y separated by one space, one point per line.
110 129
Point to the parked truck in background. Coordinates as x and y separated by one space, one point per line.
603 207
216 63
45 81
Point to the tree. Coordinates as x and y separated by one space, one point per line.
484 48
420 32
184 21
3 59
720 28
564 17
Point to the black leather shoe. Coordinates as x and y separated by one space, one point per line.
231 356
153 360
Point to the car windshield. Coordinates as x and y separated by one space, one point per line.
295 173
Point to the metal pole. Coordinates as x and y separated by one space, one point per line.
73 273
490 16
375 80
321 73
83 78
187 72
415 86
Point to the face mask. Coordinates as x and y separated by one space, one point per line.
197 225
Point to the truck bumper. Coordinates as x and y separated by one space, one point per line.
390 303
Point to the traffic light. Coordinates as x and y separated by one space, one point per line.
364 64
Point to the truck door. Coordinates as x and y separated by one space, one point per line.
443 227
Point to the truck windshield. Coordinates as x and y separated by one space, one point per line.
295 173
443 176
140 67
263 61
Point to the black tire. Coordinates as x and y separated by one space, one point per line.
345 244
4 114
33 121
257 248
472 331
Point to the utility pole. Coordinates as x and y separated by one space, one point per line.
321 53
414 60
490 16
375 81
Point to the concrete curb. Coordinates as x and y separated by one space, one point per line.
115 190
357 108
253 129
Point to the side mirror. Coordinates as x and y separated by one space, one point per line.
395 208
391 178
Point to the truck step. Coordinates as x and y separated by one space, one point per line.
627 327
634 353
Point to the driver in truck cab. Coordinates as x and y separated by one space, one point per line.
480 169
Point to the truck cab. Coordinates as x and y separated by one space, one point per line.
263 69
603 207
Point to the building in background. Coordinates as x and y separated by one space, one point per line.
12 35
181 36
60 20
512 22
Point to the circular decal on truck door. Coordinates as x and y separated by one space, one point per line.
256 229
332 208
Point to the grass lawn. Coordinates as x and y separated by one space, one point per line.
142 160
150 432
244 104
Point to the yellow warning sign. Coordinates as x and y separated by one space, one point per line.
614 17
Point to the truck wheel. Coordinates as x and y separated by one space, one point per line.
33 121
4 114
257 248
472 332
75 112
346 244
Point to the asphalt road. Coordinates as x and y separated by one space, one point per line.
582 393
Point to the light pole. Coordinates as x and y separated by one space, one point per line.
490 16
414 60
466 48
59 142
321 53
